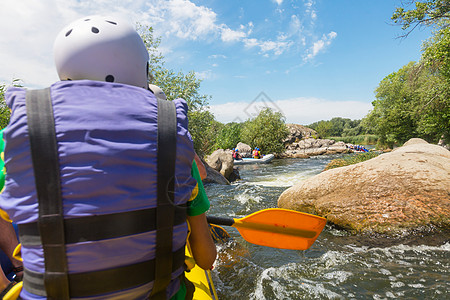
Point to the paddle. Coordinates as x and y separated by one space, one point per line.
276 228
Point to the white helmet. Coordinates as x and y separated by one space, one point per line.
103 49
157 91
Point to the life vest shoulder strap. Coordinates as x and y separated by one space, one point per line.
44 155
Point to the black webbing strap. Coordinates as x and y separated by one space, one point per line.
167 141
100 227
44 154
105 281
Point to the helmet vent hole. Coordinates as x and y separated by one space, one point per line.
114 23
95 30
109 78
68 32
87 19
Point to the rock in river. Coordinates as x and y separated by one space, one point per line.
404 190
222 161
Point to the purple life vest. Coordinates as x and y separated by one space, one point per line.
107 139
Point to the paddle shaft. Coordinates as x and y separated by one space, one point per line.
220 220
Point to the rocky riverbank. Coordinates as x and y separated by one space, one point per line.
312 147
302 142
405 190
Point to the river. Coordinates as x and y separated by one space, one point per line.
337 266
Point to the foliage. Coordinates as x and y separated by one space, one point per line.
323 128
179 85
266 131
229 136
424 13
5 113
202 124
175 85
394 106
204 131
412 102
436 52
351 160
337 127
152 43
362 139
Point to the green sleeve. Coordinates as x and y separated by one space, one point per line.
200 204
2 163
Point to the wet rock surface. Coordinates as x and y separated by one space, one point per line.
405 190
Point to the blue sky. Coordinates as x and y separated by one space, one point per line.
311 60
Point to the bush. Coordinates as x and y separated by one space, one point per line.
350 160
267 131
204 129
229 136
4 109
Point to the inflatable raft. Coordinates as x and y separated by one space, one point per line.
264 160
202 281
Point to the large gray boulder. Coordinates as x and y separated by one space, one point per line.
404 190
214 176
221 161
244 150
312 147
298 132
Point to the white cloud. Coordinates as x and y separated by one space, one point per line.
208 74
28 29
187 20
310 11
298 110
320 45
249 43
277 47
295 25
215 56
279 2
229 35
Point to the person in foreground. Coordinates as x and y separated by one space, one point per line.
114 193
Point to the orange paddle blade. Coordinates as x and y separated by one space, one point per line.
280 228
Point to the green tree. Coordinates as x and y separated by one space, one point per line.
4 109
323 128
175 85
202 124
431 107
337 127
421 13
152 43
354 129
229 136
392 112
179 85
436 52
205 131
266 131
412 102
